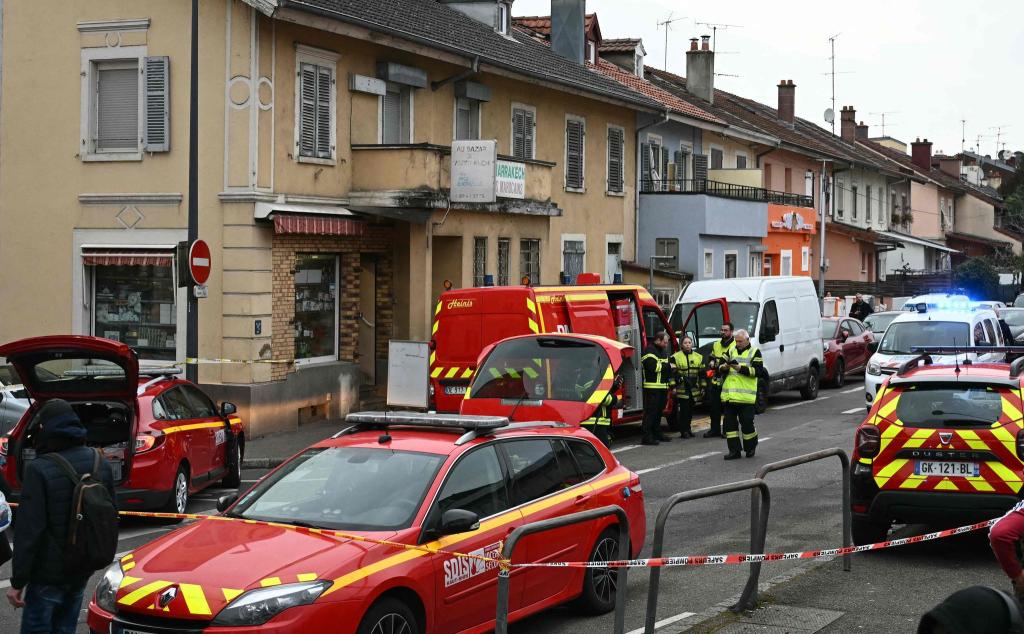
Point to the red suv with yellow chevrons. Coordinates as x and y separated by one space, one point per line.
461 484
941 444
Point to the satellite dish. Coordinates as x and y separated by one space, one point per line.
830 115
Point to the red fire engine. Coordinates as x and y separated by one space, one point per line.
468 320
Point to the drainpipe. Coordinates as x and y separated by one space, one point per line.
636 207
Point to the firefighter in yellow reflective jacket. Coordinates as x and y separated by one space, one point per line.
657 375
713 394
739 394
688 366
600 422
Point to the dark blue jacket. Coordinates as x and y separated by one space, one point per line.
43 516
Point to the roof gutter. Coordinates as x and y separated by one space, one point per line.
465 55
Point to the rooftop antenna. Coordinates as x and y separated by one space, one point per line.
999 134
977 142
882 114
963 134
832 58
667 23
714 30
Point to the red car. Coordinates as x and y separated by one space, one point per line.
846 342
163 437
458 483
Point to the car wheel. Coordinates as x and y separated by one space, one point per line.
600 584
840 378
809 391
389 616
233 479
868 532
178 501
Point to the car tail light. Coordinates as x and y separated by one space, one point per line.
869 441
1020 445
145 442
5 440
860 508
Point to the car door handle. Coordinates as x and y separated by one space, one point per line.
581 499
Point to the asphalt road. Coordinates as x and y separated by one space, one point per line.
805 515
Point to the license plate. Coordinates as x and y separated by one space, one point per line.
455 390
947 468
120 629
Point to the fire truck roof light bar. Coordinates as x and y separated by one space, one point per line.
382 420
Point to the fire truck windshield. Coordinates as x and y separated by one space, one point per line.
544 368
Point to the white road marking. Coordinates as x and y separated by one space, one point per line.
761 440
619 450
852 390
679 462
854 410
817 400
662 623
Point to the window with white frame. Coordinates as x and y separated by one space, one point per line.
731 266
840 197
467 118
854 201
805 258
682 162
754 267
529 260
125 103
524 126
667 247
575 161
616 163
785 262
867 204
741 161
717 158
315 95
504 18
709 263
396 115
638 64
809 183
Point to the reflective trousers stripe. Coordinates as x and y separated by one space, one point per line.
732 434
750 436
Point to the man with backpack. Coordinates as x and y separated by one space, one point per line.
66 526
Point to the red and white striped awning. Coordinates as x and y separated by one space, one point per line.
317 225
109 257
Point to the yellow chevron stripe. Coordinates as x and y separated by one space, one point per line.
533 326
1004 473
1012 412
134 596
972 439
468 373
979 484
127 581
436 372
890 469
890 407
195 599
230 594
433 357
307 576
451 372
270 581
946 485
530 305
433 329
438 309
911 483
918 439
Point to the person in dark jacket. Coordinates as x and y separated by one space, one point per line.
974 610
657 378
52 599
860 308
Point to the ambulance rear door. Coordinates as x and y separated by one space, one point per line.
590 313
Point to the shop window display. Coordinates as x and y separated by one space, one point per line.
316 306
136 305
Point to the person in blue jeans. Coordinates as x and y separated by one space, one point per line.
51 597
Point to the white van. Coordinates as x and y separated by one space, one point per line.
935 328
782 315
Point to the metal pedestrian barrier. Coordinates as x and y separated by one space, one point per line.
757 515
501 613
758 527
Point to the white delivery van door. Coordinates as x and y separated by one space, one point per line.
769 339
789 337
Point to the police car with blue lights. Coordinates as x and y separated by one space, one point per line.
927 326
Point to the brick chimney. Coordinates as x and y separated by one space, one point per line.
862 131
848 124
700 70
787 100
921 154
947 165
567 29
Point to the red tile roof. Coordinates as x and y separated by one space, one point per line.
648 89
542 23
623 45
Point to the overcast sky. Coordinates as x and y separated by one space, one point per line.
929 63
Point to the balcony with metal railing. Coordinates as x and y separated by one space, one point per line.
723 190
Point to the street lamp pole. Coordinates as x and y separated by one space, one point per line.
192 320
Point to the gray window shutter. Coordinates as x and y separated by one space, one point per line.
307 110
393 116
519 134
700 167
645 167
680 162
157 97
615 160
574 154
117 109
664 168
530 127
324 87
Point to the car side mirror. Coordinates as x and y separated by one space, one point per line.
225 501
458 521
873 347
227 409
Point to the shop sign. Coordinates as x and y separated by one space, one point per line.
511 180
473 171
792 221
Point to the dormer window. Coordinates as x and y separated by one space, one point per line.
638 64
591 52
504 20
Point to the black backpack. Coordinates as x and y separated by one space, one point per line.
92 529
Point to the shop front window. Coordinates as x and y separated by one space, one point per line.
316 307
135 303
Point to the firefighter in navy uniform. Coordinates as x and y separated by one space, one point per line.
688 366
600 422
739 395
657 376
713 395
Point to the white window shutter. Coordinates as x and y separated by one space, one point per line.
157 101
324 88
307 110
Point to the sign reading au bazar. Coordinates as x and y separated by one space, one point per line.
479 177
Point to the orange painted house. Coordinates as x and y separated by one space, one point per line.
789 245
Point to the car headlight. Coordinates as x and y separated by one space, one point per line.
258 606
874 369
824 346
106 589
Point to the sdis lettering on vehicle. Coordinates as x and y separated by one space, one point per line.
459 569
